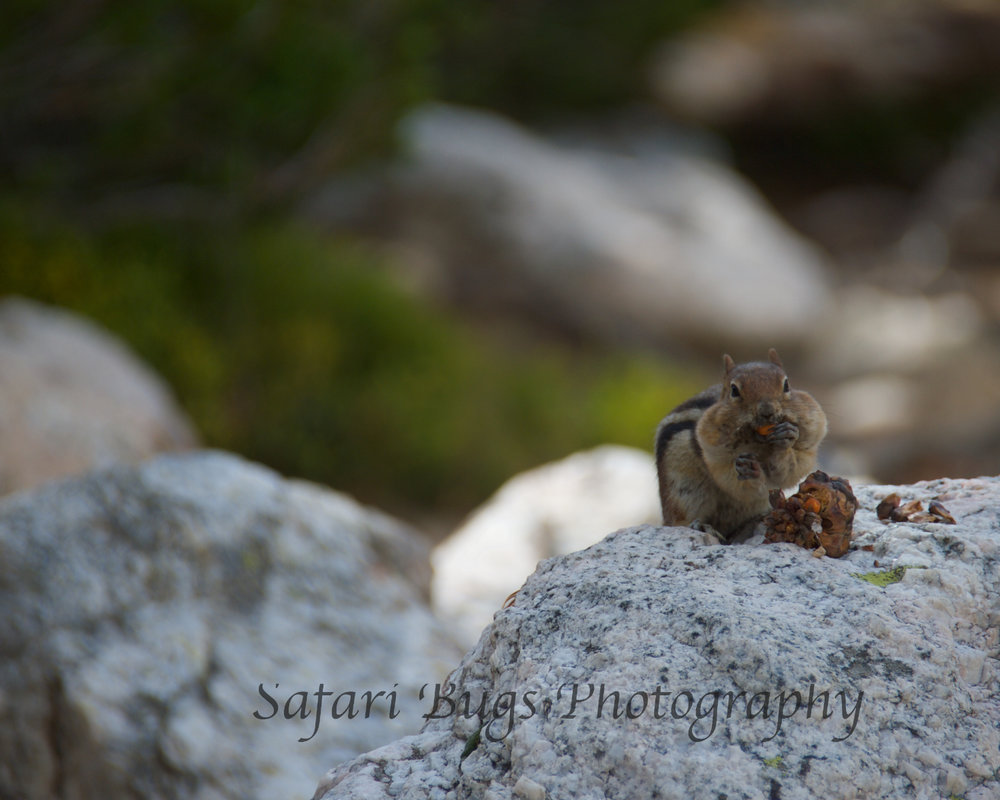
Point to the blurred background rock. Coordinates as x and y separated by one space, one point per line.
409 249
412 249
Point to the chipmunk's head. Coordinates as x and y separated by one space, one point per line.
758 387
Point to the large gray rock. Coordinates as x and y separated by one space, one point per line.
550 510
74 398
646 245
148 610
708 657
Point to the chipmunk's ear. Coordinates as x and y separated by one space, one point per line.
728 363
772 354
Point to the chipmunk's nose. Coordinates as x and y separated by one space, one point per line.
767 410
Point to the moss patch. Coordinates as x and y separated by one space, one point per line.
884 577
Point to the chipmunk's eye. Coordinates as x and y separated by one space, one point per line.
786 388
734 390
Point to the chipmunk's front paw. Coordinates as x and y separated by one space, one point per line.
747 467
784 434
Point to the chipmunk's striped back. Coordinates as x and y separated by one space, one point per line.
676 444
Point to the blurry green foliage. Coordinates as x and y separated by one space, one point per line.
301 352
265 97
260 100
536 58
203 91
208 119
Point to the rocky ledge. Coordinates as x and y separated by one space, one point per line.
653 664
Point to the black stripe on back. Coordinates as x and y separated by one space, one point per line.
698 401
668 432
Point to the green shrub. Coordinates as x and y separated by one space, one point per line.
293 349
302 353
540 58
112 96
262 99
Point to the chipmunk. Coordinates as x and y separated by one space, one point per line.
721 452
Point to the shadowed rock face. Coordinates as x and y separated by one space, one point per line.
652 664
73 398
146 610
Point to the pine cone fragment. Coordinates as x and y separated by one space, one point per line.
819 514
890 510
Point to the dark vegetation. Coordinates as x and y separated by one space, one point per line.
151 156
298 351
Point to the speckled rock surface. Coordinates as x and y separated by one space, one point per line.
147 610
751 671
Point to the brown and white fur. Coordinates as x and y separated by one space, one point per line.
714 466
